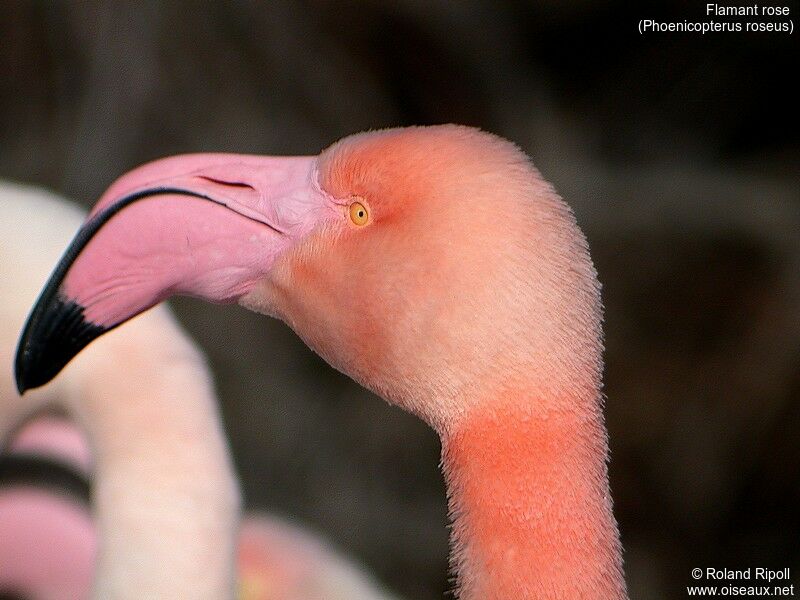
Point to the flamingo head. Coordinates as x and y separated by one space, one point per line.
408 258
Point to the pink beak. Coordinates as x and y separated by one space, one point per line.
205 225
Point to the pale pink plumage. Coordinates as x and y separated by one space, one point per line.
138 430
181 481
47 545
56 437
48 540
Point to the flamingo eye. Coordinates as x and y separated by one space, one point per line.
358 214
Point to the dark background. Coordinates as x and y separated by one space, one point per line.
678 151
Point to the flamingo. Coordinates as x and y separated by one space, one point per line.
282 560
52 436
163 477
48 543
434 266
48 540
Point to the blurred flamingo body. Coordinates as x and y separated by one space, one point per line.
56 437
433 265
47 545
152 494
281 560
48 541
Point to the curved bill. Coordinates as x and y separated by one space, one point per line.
209 226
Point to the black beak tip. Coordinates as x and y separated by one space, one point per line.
20 375
56 331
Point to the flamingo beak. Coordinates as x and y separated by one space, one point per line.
204 225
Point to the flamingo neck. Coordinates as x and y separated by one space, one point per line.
165 496
530 502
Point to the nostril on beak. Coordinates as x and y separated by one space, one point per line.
238 184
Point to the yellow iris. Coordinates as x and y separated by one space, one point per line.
358 213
